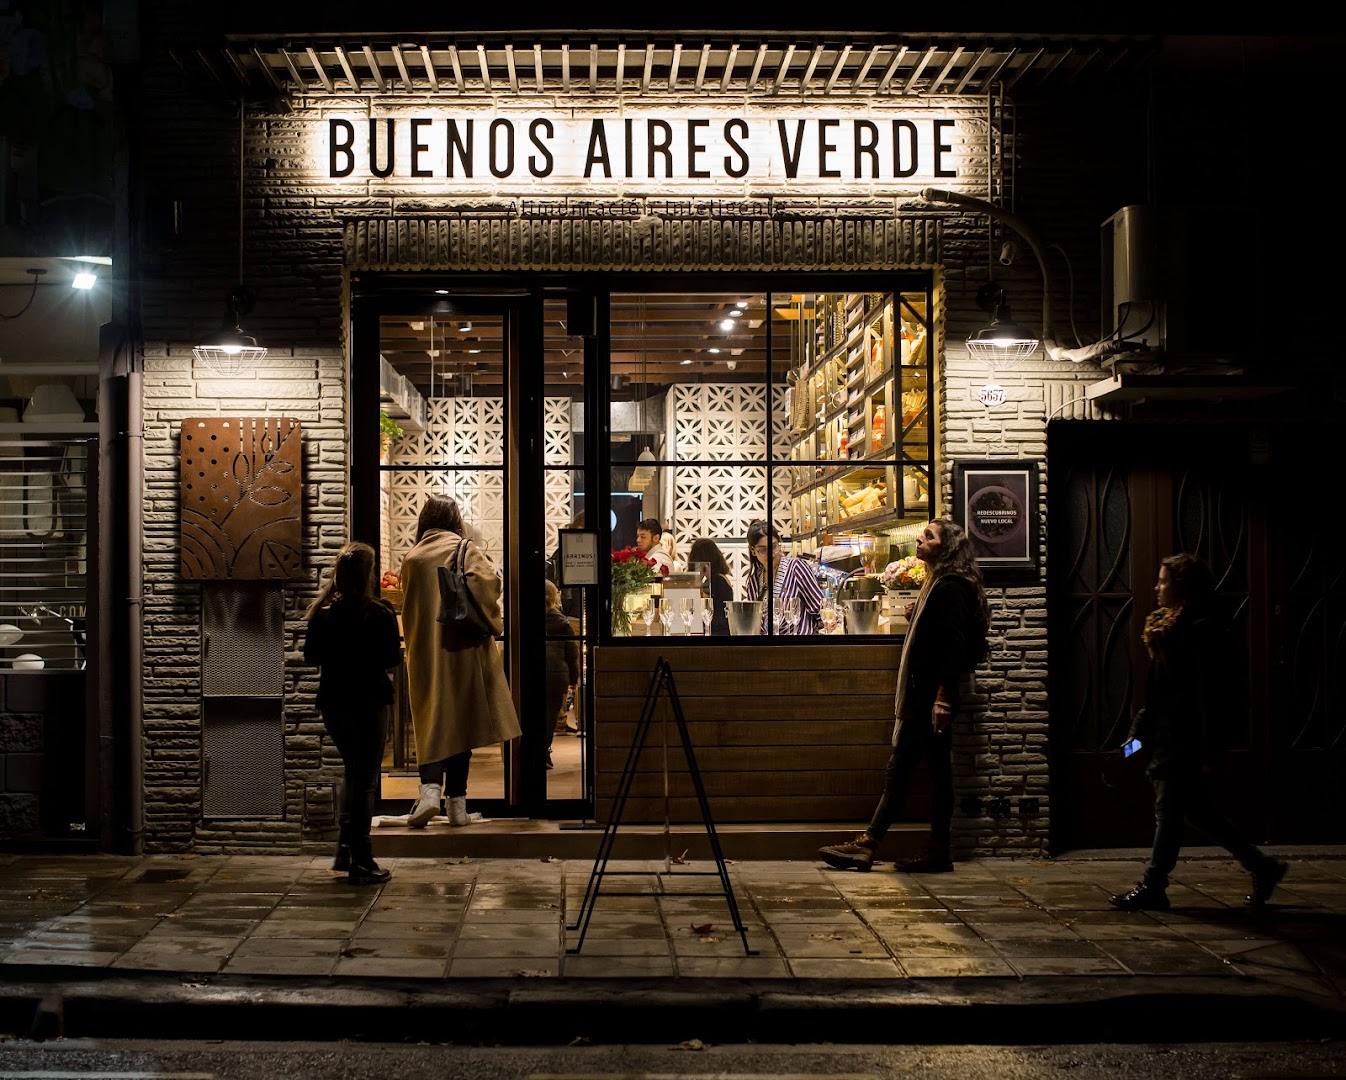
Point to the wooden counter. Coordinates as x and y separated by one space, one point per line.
781 733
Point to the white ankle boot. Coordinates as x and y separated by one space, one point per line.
458 810
427 806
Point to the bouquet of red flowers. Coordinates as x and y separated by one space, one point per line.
631 570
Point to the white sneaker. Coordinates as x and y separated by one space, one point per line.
427 806
458 810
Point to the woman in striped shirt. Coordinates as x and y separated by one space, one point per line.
789 577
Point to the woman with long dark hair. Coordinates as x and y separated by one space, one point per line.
459 697
782 577
948 621
721 581
352 638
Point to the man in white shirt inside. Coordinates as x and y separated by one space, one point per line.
650 540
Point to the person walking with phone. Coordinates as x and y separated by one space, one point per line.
353 640
946 638
1181 728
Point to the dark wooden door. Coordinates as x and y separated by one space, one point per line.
1121 497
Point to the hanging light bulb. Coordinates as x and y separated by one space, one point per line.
643 473
230 350
1003 340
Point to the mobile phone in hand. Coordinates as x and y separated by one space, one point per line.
1130 748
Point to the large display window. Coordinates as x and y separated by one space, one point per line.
771 452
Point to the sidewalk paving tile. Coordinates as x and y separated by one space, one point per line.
989 922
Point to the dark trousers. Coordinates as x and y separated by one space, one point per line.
359 737
1188 798
917 742
452 770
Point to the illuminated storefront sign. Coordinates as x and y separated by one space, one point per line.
757 149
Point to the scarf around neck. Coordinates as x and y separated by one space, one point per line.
1158 623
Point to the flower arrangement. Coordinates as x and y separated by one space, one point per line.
908 573
631 570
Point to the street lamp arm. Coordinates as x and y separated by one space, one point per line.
1053 348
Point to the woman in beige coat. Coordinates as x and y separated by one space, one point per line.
459 697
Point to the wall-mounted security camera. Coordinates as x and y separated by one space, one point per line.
1009 251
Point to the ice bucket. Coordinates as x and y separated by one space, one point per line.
862 616
745 616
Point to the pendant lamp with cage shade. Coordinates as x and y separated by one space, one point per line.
230 350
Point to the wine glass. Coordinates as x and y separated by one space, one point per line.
685 615
707 614
647 615
828 612
666 617
789 606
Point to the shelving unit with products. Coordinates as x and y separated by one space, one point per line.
863 447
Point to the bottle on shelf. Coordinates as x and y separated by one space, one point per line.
880 426
843 451
905 344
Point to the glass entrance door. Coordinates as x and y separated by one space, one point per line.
482 399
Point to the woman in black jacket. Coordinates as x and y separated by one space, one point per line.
353 640
1181 726
948 627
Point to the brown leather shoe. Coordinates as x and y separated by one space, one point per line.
857 854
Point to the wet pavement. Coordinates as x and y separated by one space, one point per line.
994 931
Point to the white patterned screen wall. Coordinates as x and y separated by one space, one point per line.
724 422
461 431
709 421
558 447
469 431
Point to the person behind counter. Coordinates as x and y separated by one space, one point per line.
721 583
650 539
459 697
352 638
790 578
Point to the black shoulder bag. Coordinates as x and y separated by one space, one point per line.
464 621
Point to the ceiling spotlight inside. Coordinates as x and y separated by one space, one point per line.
732 365
418 325
474 350
727 324
84 280
741 304
685 363
736 313
464 328
712 350
441 292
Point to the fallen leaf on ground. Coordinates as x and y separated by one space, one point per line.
679 860
691 1044
533 973
702 928
579 1040
167 915
548 858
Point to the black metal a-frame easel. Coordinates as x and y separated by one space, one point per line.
661 679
